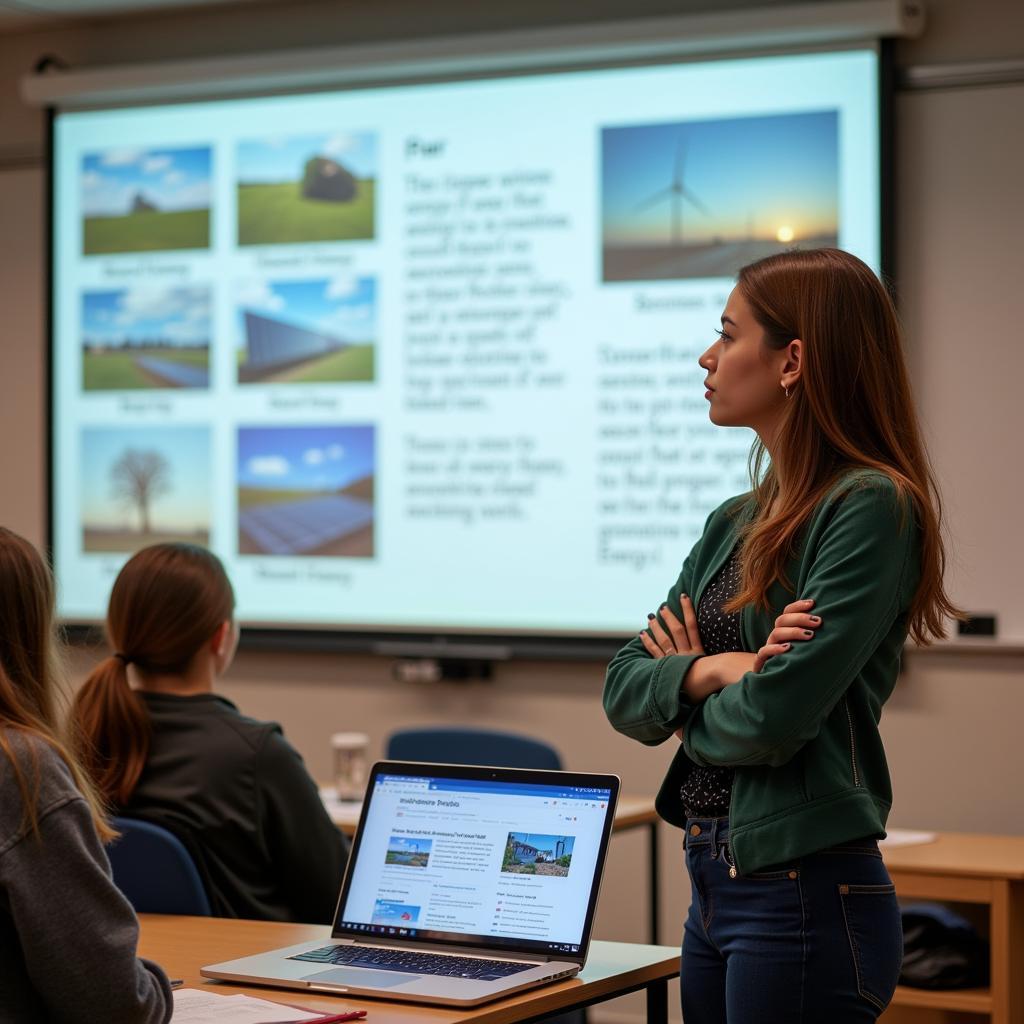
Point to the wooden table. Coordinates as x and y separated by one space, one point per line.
184 944
630 812
967 868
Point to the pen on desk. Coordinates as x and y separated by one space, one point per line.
176 982
337 1017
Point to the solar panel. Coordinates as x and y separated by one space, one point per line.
177 373
296 527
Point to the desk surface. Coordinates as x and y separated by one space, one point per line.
967 854
181 945
630 812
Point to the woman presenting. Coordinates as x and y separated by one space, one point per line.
779 644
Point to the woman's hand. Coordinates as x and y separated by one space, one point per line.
708 675
682 636
795 624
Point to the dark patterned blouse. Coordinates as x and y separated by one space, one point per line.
706 791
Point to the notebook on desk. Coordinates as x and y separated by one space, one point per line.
464 884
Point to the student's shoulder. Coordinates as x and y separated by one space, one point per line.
37 765
252 732
34 756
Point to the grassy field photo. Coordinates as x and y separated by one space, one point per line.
146 200
353 364
122 371
147 232
141 338
309 188
307 332
278 214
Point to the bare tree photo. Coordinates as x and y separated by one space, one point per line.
139 477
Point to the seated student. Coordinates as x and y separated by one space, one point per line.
67 935
174 753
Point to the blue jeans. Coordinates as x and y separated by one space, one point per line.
818 939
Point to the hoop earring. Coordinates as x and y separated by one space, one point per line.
784 388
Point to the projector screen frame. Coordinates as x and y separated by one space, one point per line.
447 645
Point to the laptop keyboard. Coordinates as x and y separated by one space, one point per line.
381 959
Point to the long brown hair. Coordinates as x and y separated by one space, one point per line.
167 602
30 672
852 407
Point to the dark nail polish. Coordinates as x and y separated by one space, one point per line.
808 632
815 618
650 615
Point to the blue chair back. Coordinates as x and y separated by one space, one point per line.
472 746
154 870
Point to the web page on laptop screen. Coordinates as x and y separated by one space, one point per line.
498 861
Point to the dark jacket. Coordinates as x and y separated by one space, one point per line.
802 734
67 935
238 795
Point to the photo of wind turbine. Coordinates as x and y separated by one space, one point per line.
699 199
678 194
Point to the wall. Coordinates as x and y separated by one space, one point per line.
953 718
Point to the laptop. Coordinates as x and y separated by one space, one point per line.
464 884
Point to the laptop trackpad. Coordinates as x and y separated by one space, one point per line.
359 977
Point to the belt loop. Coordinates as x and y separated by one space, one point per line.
714 837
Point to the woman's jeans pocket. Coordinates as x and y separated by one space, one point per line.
872 917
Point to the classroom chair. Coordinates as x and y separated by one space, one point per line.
472 746
152 867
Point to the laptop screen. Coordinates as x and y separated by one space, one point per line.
501 858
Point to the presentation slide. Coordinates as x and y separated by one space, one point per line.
476 859
424 357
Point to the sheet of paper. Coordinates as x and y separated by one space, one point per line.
906 837
193 1006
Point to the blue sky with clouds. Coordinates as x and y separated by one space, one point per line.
277 159
343 307
178 316
172 179
765 171
304 458
544 842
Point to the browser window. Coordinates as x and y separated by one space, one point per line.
476 858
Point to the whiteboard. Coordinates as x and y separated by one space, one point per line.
959 236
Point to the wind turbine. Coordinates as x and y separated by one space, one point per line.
677 192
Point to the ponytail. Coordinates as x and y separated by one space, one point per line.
112 730
167 602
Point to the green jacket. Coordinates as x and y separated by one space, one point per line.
802 734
